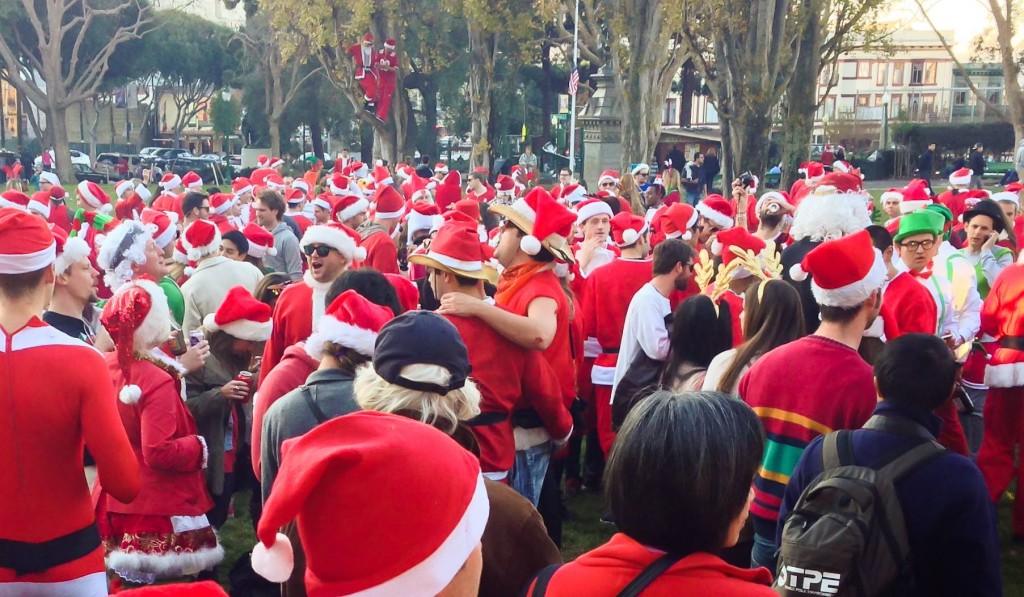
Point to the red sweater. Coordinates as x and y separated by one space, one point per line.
509 378
164 440
795 407
42 434
381 253
606 570
559 354
293 323
291 372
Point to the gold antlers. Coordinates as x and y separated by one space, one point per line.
767 267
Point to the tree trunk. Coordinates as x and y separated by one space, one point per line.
57 126
755 130
316 135
482 49
802 102
642 102
545 94
274 123
726 156
93 130
367 136
687 88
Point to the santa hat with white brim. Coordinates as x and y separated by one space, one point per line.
337 236
49 177
261 242
961 177
200 239
844 272
136 316
351 206
26 242
352 464
1007 196
351 321
590 208
241 316
717 210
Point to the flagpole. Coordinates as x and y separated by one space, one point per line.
572 107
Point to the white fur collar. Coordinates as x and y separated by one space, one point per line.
161 356
322 287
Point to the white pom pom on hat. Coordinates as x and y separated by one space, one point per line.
130 394
530 244
630 236
274 563
797 273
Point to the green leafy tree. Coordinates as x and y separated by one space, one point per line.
225 116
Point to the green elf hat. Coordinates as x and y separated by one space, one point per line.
920 222
947 214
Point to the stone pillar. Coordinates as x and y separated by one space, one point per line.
601 123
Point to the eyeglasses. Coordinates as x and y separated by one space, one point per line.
914 245
607 185
320 250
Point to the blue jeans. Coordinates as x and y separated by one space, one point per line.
693 198
527 474
763 553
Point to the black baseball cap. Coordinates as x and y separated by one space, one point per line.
421 338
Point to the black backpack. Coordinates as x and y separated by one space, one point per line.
846 534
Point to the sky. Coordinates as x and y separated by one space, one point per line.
966 17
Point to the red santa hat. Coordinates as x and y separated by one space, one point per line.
741 239
69 250
381 176
573 194
717 210
275 162
356 169
123 187
407 291
302 185
201 238
368 38
468 207
678 220
422 216
1014 187
14 198
844 272
221 202
449 191
262 161
440 168
350 321
627 228
891 193
352 464
94 196
241 186
369 188
404 172
915 197
339 184
170 181
241 316
49 177
349 206
294 196
389 202
324 201
261 242
192 181
972 197
160 225
274 181
40 202
457 249
608 175
137 315
546 222
590 208
504 186
1008 196
337 236
389 43
57 193
779 197
812 171
26 242
961 177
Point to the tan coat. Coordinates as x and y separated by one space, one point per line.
206 289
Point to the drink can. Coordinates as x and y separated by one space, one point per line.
246 378
195 337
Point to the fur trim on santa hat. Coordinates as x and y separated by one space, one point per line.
589 209
336 238
961 177
75 250
1007 196
243 329
350 336
717 218
353 210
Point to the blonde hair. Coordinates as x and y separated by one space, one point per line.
372 392
671 179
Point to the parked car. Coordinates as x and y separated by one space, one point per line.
203 167
87 172
162 156
77 157
107 162
147 152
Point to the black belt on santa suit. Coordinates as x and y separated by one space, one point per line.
1012 342
614 350
30 558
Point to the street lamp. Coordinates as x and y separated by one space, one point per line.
886 100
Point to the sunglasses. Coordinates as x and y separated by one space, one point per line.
320 250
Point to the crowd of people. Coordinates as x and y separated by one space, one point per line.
409 373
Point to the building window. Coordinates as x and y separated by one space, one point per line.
960 97
848 69
883 73
863 69
995 97
671 114
863 100
923 73
897 74
931 68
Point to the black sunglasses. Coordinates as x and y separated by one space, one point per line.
321 250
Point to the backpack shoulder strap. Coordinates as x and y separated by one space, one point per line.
543 578
837 450
311 403
909 461
649 574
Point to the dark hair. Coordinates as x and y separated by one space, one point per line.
368 282
838 314
273 201
238 239
916 371
465 282
670 252
566 170
681 470
880 237
262 292
474 175
348 358
212 190
18 286
220 347
545 256
613 204
489 220
192 200
770 319
699 332
697 154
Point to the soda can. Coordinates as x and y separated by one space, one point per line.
246 378
195 337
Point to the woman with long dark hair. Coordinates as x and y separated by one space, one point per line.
700 331
772 316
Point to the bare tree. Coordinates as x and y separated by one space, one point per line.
1004 16
55 27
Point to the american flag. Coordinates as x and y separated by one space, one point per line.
574 81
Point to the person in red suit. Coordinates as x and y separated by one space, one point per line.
377 234
57 401
387 74
363 56
606 297
1002 318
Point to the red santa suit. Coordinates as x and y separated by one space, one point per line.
381 250
1002 318
606 297
486 196
909 306
363 57
509 378
44 429
301 221
955 200
223 222
291 372
296 313
59 216
387 73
